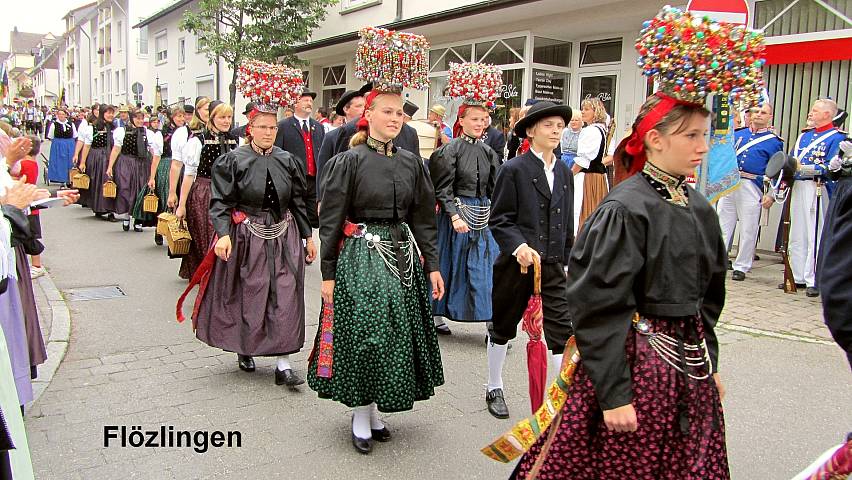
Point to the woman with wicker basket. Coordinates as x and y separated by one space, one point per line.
252 280
463 173
379 350
97 145
198 156
130 161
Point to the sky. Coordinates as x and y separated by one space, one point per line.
34 16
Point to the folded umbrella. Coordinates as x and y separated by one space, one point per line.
536 352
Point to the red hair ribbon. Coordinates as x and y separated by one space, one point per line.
636 142
368 101
457 128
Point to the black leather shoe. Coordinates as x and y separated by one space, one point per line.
812 292
137 227
245 362
443 329
798 285
125 225
158 239
496 403
756 257
363 445
287 377
738 276
730 265
382 435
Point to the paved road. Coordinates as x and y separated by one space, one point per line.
129 363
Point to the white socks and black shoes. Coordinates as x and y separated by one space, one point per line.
367 427
284 373
494 394
441 327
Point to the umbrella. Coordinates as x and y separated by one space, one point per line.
835 463
536 351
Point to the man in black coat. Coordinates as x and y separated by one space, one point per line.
239 131
351 107
531 221
834 273
302 136
495 139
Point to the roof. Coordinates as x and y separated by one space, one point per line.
72 11
23 42
162 13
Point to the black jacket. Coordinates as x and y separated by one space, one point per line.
363 184
327 150
406 140
462 168
289 138
495 139
834 273
523 209
639 253
239 181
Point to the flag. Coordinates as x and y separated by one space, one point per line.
4 81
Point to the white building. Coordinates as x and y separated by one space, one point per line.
45 74
176 64
23 52
75 65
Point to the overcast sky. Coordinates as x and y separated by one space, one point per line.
34 16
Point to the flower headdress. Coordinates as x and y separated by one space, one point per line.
269 85
478 83
392 60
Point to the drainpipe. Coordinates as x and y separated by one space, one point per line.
89 63
216 76
398 10
126 52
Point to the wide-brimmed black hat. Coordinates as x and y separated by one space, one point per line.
249 107
542 109
348 95
308 93
410 108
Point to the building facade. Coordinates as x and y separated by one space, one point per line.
176 64
75 65
24 51
45 74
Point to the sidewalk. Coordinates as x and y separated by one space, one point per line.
130 363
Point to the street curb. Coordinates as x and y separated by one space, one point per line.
768 333
60 332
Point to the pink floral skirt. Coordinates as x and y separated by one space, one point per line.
583 448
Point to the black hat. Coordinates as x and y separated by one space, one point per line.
348 95
840 118
531 101
249 107
542 109
308 93
189 109
410 108
212 105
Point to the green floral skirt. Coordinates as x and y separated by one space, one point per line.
385 347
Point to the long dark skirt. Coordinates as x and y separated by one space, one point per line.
35 341
467 261
583 448
131 175
238 312
12 324
162 182
385 347
96 167
199 225
61 159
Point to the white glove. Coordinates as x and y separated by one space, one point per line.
835 164
846 149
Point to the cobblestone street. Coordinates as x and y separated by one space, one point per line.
130 364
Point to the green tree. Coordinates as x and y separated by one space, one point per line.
267 30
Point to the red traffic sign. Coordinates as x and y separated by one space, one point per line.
730 11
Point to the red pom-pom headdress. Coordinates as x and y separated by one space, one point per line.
269 85
477 83
392 60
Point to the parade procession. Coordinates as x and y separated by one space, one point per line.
357 239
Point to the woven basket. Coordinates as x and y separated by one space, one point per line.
72 173
80 181
163 221
151 203
178 238
110 189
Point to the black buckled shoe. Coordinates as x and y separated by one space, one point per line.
363 445
158 239
812 292
496 403
245 362
382 435
137 227
287 377
125 225
738 276
443 329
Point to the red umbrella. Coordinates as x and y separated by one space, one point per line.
536 351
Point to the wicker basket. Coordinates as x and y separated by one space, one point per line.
178 239
110 189
163 221
80 181
151 203
72 173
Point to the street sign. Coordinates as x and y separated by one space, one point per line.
136 88
730 11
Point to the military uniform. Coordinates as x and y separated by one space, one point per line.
753 152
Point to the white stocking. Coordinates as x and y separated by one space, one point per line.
361 422
496 358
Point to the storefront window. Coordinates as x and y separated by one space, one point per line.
602 51
600 86
552 52
551 86
439 60
510 97
501 52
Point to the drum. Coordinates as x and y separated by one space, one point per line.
428 135
782 164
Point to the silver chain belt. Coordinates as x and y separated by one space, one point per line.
268 232
385 250
695 356
475 216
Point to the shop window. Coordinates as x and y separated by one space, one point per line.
305 78
551 86
440 59
330 97
781 17
602 51
600 86
501 52
551 52
334 76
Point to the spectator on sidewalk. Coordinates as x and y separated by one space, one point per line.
29 170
